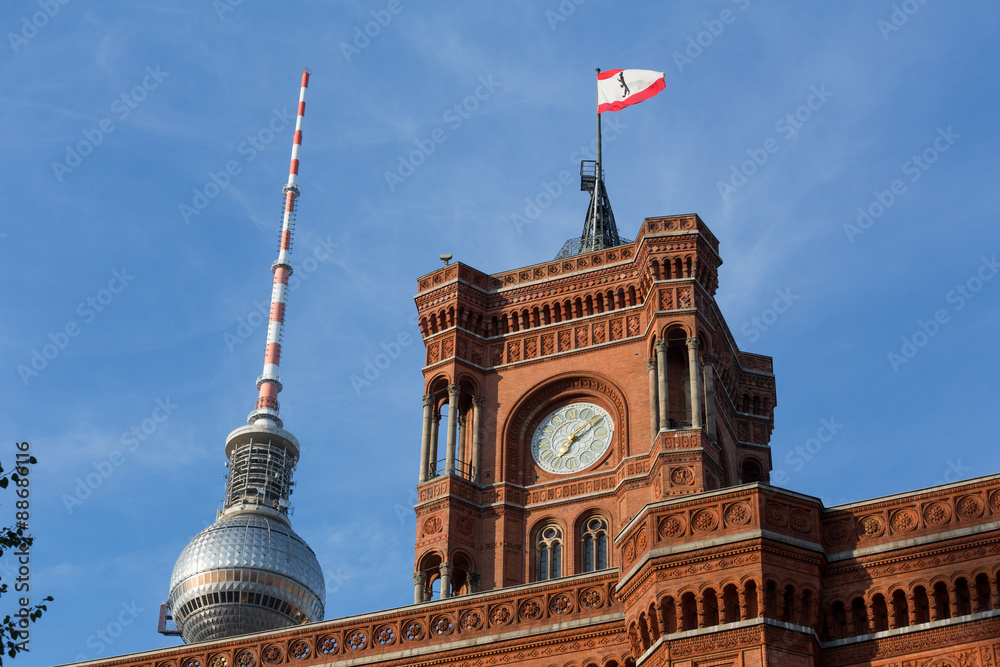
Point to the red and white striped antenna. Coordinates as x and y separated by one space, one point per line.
269 383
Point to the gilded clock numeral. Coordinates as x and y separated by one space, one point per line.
586 413
600 432
571 413
545 455
572 464
597 445
586 457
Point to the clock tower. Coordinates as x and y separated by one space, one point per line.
562 398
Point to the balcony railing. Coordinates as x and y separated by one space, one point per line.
462 469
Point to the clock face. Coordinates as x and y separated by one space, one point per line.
572 438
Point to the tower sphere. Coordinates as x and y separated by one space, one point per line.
247 572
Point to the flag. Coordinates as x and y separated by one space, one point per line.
619 88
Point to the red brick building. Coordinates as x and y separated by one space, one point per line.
593 491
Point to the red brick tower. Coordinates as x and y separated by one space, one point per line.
562 398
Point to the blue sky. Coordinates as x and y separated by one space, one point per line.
893 111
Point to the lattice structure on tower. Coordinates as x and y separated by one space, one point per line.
599 230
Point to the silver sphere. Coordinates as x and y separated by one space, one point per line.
247 572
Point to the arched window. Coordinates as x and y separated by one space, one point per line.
548 553
752 470
594 544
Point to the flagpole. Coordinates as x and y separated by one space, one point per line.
597 175
598 127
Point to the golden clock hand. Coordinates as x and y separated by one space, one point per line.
569 441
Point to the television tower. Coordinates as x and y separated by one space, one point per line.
249 572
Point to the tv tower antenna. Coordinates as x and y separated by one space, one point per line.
278 580
269 383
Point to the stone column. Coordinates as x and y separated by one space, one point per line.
911 608
460 452
633 640
679 615
994 593
432 462
449 464
478 403
699 603
974 598
661 374
473 583
761 601
661 618
418 587
744 605
709 371
891 608
849 616
953 604
932 602
445 570
425 441
695 382
654 399
780 600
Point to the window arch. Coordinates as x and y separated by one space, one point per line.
548 553
594 544
752 470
